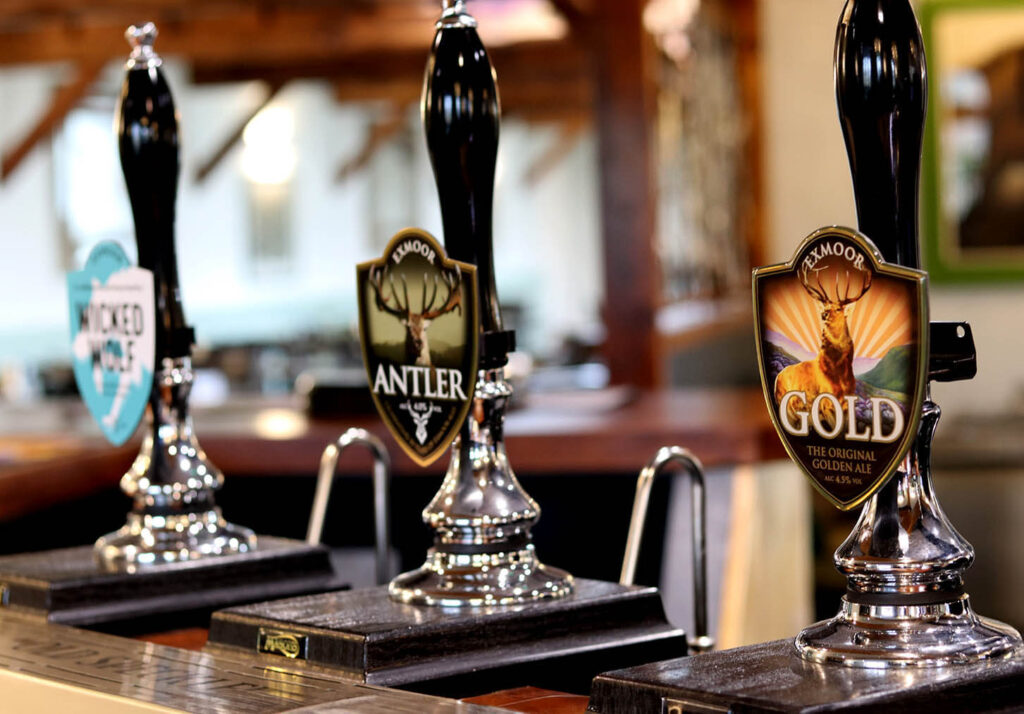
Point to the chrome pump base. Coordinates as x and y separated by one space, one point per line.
171 482
879 636
482 517
501 578
904 562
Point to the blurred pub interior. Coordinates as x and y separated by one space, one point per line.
651 154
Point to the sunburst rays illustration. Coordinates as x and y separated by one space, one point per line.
879 321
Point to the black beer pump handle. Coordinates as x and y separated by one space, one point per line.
462 116
147 132
882 92
881 88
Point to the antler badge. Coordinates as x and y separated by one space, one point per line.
842 345
419 330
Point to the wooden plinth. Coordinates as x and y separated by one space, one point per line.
552 643
771 677
69 587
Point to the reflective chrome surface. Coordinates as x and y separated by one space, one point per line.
699 640
381 500
141 38
171 482
904 563
455 15
482 553
877 636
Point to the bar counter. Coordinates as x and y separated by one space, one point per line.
51 453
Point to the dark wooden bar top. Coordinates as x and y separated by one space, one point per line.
52 452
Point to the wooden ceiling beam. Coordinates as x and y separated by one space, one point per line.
29 15
549 80
240 31
569 136
533 101
536 61
63 101
236 36
397 90
575 12
28 9
207 166
547 101
380 133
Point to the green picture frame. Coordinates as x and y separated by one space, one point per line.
963 238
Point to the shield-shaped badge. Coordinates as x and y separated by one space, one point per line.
113 338
418 322
842 345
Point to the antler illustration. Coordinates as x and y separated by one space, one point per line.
454 300
384 303
843 291
858 292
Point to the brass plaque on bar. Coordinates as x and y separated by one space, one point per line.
687 706
287 644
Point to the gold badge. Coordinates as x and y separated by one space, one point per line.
842 344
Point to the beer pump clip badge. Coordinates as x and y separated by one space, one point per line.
113 338
842 341
419 328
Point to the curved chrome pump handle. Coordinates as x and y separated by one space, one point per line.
381 500
701 641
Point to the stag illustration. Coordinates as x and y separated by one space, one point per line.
420 419
416 323
831 372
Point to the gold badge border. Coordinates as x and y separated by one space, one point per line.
468 269
917 401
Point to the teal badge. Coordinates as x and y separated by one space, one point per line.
113 338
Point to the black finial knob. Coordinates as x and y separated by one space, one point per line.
881 88
147 128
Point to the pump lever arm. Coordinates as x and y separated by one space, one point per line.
147 133
881 89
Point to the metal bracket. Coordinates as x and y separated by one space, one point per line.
381 499
953 356
701 641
